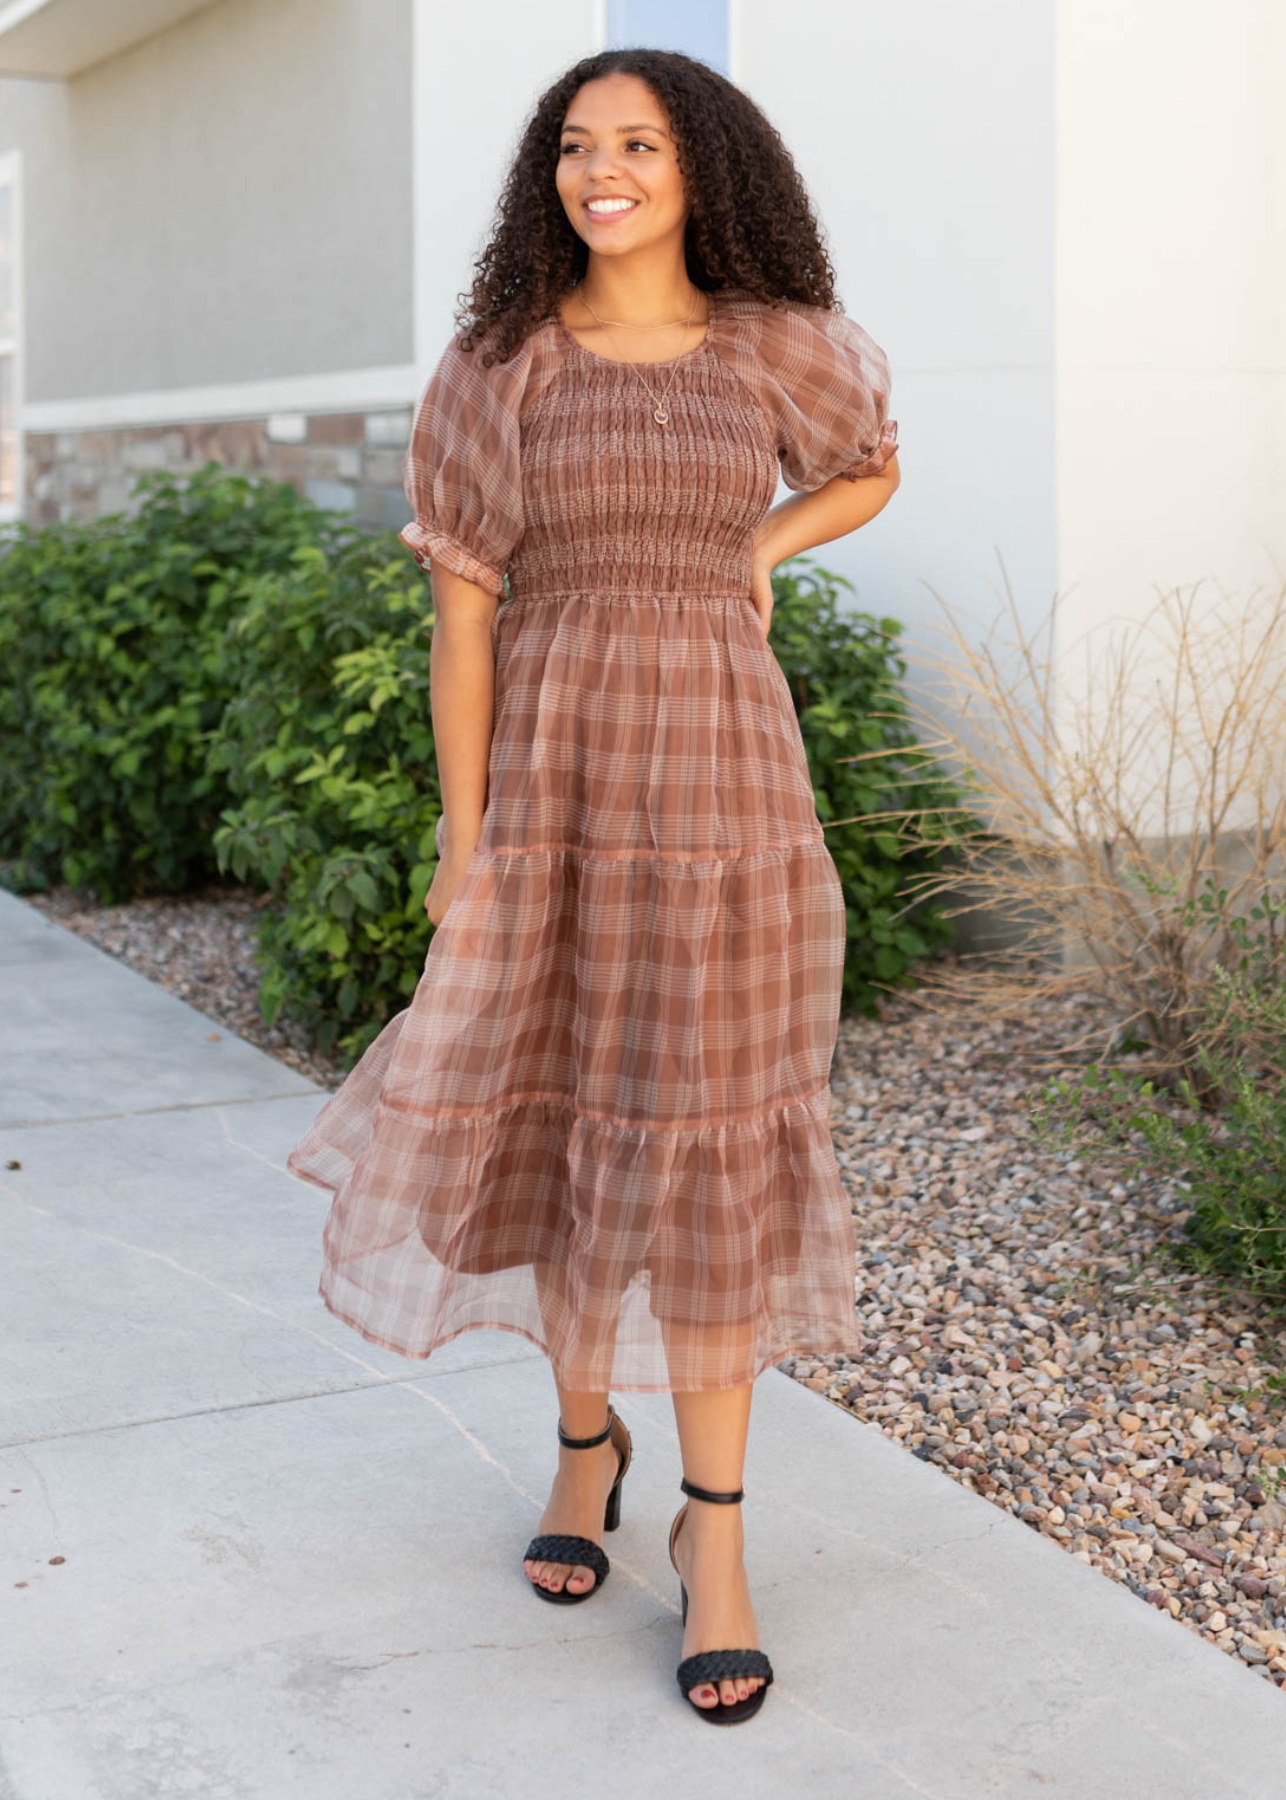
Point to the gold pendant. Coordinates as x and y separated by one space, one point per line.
660 415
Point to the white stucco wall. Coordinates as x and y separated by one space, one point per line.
926 135
472 97
1171 324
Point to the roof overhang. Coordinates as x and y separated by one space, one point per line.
53 39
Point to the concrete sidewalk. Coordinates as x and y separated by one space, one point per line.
244 1554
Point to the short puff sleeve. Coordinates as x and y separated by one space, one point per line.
828 392
462 474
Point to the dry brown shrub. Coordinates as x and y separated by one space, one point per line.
1114 835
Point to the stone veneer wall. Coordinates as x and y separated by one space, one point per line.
349 462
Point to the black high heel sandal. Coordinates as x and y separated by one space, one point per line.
568 1547
715 1666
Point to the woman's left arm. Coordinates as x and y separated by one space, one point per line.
803 521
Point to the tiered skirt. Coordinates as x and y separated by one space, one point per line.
602 1122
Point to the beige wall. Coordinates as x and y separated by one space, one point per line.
228 201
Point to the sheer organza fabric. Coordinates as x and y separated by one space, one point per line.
602 1121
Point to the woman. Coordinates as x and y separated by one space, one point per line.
603 1120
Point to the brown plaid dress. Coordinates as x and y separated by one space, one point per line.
603 1120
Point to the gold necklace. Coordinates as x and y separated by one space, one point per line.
663 326
659 410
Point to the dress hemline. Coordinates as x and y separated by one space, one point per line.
623 1387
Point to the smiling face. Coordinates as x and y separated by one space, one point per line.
616 146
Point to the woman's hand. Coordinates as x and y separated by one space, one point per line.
804 521
761 586
446 879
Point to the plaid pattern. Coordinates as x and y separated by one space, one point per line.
603 1120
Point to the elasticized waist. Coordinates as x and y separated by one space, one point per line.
713 572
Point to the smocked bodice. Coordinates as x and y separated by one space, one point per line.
550 466
615 502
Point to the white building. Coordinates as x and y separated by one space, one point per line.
236 228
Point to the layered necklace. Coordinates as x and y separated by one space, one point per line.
660 411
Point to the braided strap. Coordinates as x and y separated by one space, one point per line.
565 1547
722 1665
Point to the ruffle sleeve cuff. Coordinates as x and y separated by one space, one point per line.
877 458
430 547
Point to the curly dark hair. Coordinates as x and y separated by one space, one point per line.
751 224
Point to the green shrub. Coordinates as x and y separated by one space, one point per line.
844 674
112 645
233 680
327 753
1221 1140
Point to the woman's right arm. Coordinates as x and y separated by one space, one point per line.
463 478
462 700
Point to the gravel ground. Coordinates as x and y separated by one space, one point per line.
1019 1331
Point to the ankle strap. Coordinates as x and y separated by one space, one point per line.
587 1443
700 1493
